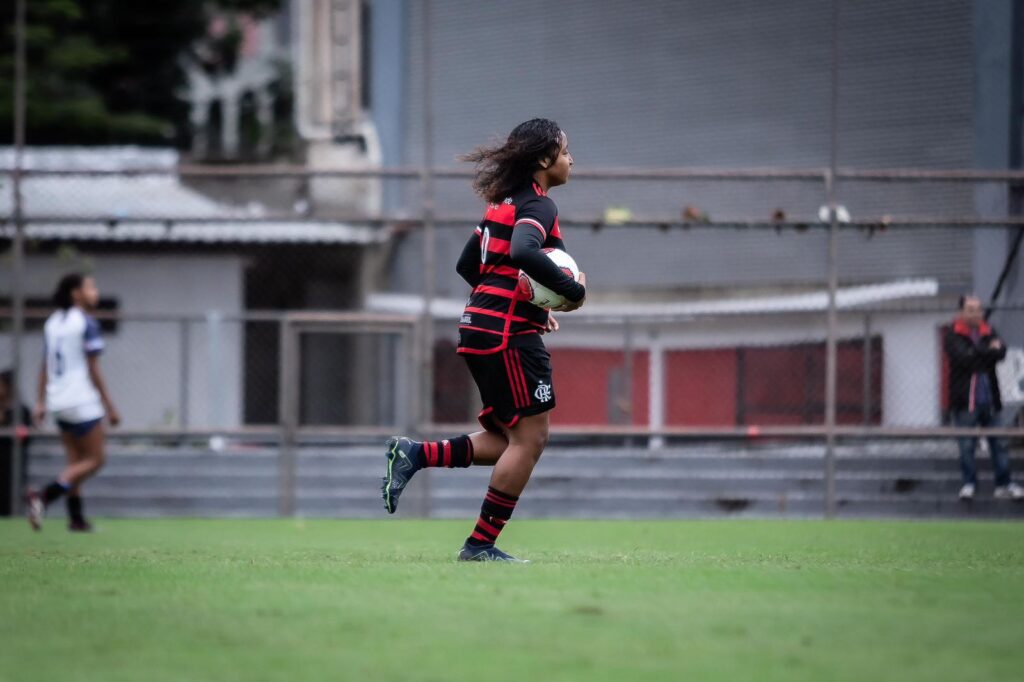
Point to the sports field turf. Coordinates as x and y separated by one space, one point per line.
384 600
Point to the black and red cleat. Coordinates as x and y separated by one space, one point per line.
34 509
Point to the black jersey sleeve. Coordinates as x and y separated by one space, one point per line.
527 254
468 266
538 214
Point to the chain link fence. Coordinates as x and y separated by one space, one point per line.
744 308
698 321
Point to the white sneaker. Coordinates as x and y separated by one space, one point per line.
1009 492
967 492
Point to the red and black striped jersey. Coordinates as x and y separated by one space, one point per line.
496 311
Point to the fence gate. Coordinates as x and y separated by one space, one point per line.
343 374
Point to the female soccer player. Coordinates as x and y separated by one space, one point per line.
500 332
72 389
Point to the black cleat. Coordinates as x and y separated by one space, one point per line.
79 526
486 553
34 509
403 463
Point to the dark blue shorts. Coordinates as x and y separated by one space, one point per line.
80 429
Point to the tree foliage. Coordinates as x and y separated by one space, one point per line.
106 71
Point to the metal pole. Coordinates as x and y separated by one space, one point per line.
833 278
429 232
183 372
867 406
288 410
17 292
627 380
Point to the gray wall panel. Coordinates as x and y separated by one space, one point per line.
730 83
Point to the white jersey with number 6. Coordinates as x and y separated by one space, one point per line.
71 336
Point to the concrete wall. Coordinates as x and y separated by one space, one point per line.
733 83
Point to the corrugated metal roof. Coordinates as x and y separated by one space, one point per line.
206 233
136 208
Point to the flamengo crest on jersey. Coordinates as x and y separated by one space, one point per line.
71 336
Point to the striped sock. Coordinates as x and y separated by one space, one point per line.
494 514
457 452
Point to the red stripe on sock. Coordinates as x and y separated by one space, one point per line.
488 528
482 538
500 502
502 494
447 453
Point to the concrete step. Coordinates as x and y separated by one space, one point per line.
915 479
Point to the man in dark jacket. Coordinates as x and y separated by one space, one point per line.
974 349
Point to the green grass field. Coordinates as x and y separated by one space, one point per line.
384 600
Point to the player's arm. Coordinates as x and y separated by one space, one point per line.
962 353
528 236
97 380
468 266
996 350
39 412
93 348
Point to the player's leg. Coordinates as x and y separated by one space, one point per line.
36 502
527 439
73 498
406 456
75 505
90 443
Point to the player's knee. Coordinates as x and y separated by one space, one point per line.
97 461
537 442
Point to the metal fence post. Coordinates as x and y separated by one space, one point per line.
17 292
288 412
183 372
429 241
833 278
656 388
215 368
627 380
868 385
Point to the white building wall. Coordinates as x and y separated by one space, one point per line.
142 363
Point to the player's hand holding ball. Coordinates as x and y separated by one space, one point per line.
570 306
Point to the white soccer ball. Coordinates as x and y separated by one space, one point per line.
540 295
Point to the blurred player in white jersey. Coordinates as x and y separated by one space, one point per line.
72 389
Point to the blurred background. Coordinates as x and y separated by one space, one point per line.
778 206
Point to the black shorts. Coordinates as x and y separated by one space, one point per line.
78 429
514 383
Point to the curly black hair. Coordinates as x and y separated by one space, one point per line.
502 169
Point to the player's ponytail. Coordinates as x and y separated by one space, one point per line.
62 297
502 169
